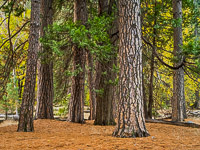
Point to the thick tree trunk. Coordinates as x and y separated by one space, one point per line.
104 108
131 121
178 102
76 105
44 108
91 86
105 96
26 112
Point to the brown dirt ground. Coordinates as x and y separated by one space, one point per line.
60 135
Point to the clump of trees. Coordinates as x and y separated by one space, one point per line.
128 59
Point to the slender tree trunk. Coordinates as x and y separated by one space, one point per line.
197 102
6 110
131 121
26 112
144 99
152 68
104 98
76 105
178 102
44 108
91 86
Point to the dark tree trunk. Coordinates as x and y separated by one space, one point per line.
91 86
44 108
197 102
105 96
178 102
26 111
104 108
6 110
150 105
131 121
76 105
144 98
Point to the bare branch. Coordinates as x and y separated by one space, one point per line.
14 34
3 4
157 56
3 21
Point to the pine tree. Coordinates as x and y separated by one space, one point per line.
131 122
26 112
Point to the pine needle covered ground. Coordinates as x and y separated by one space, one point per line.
61 135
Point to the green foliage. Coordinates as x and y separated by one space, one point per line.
63 110
93 37
10 100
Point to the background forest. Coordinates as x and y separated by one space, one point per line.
79 53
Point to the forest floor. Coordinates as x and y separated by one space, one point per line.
62 135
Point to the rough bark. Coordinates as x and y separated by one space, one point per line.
104 107
178 101
44 108
26 112
105 98
76 105
91 83
131 122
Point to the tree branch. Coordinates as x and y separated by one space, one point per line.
14 34
3 4
157 56
3 21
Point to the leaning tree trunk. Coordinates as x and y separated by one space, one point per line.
131 121
26 112
178 101
44 108
104 98
76 105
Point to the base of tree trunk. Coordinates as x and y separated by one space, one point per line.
123 133
102 123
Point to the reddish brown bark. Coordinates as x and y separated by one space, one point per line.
76 105
44 108
26 112
131 122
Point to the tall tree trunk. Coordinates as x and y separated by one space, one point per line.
178 102
76 105
26 112
197 102
104 98
44 108
91 83
152 67
131 121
